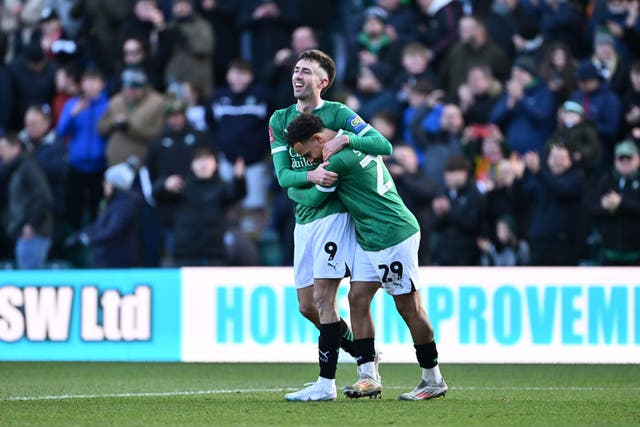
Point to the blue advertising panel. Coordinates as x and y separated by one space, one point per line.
97 315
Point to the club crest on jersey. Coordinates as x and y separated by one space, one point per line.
356 123
271 138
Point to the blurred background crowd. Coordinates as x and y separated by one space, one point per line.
134 132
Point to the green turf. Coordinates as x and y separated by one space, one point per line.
252 395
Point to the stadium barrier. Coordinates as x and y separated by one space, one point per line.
481 315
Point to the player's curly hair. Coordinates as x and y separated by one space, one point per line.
325 62
302 128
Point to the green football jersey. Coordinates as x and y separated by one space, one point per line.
366 188
291 169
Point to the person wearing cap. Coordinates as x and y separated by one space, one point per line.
526 110
134 117
600 104
617 208
113 237
579 135
371 46
29 205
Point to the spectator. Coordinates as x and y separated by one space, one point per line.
458 216
168 163
238 114
504 199
29 205
421 117
372 91
600 104
554 194
564 22
612 67
386 123
277 74
528 42
558 71
136 54
19 19
478 95
507 250
416 190
443 144
485 144
474 48
78 125
438 25
617 208
33 79
101 24
401 23
507 19
268 25
631 100
415 66
6 86
374 44
222 15
113 237
579 136
133 118
53 39
145 21
200 204
49 153
187 43
526 111
67 86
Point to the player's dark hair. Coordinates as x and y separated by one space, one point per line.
325 62
302 128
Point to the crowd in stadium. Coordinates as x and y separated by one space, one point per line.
135 132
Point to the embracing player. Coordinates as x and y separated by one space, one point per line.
324 236
386 231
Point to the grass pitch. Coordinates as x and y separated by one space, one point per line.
145 394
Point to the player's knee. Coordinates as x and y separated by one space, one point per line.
308 309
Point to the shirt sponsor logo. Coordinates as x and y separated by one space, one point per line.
356 123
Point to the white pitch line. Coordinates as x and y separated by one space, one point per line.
273 390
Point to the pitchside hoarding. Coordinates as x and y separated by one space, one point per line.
490 315
99 315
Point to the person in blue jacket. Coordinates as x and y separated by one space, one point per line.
526 111
78 125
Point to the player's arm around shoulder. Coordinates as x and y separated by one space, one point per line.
362 136
315 196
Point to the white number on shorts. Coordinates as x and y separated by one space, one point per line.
382 187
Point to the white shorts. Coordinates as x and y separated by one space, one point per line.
257 182
397 266
323 249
